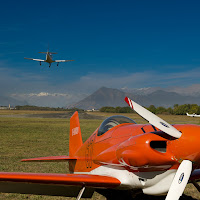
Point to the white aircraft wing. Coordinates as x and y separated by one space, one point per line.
63 61
40 60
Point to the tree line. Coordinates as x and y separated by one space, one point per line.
28 107
175 110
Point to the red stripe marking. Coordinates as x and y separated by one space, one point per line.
129 102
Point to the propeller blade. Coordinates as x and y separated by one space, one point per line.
180 180
153 119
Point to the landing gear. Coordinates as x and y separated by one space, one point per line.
49 66
57 64
40 63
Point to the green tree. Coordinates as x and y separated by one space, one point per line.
152 109
182 109
170 111
194 108
107 109
160 110
176 105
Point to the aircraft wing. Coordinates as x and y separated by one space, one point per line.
63 61
54 184
40 60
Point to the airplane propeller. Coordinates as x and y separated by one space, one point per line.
185 168
180 180
153 119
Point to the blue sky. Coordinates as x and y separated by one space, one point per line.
114 44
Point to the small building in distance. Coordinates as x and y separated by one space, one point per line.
6 107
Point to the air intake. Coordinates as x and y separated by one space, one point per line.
160 146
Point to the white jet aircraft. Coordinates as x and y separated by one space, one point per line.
192 115
49 58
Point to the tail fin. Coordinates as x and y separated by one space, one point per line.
75 137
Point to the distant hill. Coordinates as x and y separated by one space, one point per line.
115 97
168 99
5 101
107 97
102 97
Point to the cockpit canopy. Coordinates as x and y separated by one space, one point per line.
113 121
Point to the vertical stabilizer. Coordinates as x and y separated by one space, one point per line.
75 137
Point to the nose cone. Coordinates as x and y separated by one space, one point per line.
141 151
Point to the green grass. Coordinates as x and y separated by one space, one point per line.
33 137
36 137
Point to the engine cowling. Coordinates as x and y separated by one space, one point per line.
145 150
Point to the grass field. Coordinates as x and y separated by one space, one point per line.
37 137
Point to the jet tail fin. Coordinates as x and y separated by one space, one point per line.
75 137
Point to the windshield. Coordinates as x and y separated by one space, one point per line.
112 122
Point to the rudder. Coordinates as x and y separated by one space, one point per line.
75 137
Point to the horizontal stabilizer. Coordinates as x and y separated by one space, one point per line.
50 159
40 60
63 60
48 52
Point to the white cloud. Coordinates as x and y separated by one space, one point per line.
42 94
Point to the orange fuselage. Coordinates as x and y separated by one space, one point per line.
137 147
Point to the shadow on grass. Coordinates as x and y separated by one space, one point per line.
146 197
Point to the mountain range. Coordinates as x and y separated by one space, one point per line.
104 96
146 97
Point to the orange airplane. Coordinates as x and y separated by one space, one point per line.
119 159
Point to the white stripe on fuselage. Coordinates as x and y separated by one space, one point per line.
152 183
